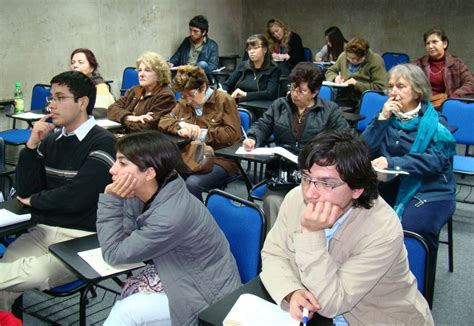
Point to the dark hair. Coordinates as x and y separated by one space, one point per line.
89 56
79 85
437 31
351 155
358 46
309 73
151 148
200 22
337 41
259 40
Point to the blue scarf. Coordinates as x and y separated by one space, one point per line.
429 129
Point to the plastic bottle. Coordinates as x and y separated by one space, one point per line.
19 101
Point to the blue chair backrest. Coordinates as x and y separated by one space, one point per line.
460 113
38 96
326 93
419 261
245 119
370 105
177 95
129 79
308 55
243 224
392 59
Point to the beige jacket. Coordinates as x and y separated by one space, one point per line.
364 275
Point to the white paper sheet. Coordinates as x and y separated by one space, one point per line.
250 310
29 116
105 123
332 84
94 258
378 170
269 151
9 218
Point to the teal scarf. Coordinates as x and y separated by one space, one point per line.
429 129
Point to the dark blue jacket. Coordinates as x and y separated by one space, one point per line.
394 144
209 53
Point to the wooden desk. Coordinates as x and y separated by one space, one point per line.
216 313
229 152
16 207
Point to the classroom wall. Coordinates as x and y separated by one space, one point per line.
37 37
390 26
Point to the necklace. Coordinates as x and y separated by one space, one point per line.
434 73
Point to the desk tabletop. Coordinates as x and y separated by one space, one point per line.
255 105
216 313
229 152
16 207
67 252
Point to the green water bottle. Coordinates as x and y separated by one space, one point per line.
19 101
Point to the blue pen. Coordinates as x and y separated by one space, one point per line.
305 316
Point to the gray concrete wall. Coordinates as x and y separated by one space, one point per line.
389 25
37 37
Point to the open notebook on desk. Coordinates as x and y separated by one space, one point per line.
9 218
250 310
94 258
333 84
269 151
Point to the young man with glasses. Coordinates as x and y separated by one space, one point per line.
337 247
197 49
59 175
293 120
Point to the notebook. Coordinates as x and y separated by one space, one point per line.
250 310
9 218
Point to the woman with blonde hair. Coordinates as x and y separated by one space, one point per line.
208 115
286 47
142 106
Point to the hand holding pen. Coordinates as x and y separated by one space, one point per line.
301 300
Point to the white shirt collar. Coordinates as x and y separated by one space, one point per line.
81 131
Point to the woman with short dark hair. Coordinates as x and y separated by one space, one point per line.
293 120
147 213
449 76
256 78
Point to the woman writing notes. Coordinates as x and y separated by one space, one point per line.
257 78
286 47
142 106
449 76
147 213
409 135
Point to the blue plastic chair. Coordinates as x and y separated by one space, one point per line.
129 79
326 93
370 105
244 226
419 260
460 113
38 102
308 55
246 118
392 59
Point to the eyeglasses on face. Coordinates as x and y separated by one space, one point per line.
319 184
58 99
298 90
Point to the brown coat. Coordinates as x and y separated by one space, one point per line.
220 117
160 101
458 80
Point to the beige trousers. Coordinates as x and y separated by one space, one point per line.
27 264
272 200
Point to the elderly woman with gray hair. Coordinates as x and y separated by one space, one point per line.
410 135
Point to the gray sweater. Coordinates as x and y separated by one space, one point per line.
190 252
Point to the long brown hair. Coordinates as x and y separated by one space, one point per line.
274 43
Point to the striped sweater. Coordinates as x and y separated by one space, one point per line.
65 176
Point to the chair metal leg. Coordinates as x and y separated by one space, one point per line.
450 245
